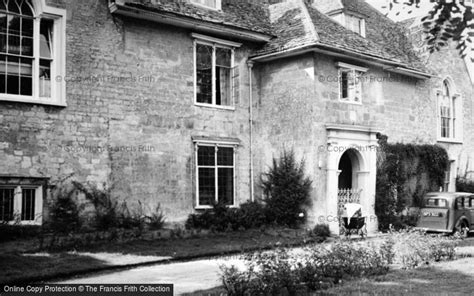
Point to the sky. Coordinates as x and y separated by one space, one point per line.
403 9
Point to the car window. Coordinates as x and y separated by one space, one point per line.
436 203
460 203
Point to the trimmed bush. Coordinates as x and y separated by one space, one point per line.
287 190
253 215
222 218
321 230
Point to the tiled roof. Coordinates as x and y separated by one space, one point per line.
390 36
297 23
242 14
291 26
384 38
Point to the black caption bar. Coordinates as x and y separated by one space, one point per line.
86 290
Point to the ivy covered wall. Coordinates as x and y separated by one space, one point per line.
405 172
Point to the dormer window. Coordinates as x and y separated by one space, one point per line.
352 22
211 4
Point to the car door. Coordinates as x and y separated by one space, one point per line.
470 207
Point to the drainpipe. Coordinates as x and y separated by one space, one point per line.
250 66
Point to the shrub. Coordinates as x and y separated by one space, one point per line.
287 190
222 218
9 232
106 209
321 230
463 184
65 214
203 220
252 214
413 249
281 272
131 218
156 220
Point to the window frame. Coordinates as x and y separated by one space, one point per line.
17 204
216 167
214 43
361 24
357 72
58 64
342 19
455 117
218 5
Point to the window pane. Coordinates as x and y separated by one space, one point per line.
353 23
206 155
27 27
28 205
208 3
225 156
226 185
3 32
3 74
13 69
207 186
45 78
223 57
25 7
14 35
27 46
204 73
6 204
344 85
46 37
223 86
12 6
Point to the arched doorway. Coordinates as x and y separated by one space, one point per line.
345 175
359 161
349 166
349 183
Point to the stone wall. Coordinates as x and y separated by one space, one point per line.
130 114
298 97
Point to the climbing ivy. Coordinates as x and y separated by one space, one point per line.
398 166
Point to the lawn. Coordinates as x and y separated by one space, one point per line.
442 278
446 278
16 267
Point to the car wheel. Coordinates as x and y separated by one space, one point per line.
461 229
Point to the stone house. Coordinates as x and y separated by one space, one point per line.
186 102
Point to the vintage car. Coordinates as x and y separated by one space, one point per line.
448 212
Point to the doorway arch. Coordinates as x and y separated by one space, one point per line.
350 166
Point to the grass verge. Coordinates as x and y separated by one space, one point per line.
62 264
